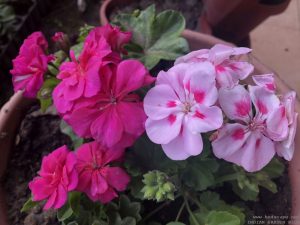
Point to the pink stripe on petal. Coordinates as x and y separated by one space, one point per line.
171 118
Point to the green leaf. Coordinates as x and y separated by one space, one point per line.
154 37
175 223
64 213
274 169
83 32
199 173
70 208
124 213
77 49
29 204
221 218
45 93
66 129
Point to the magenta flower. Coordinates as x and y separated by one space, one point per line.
58 37
180 107
114 36
228 70
97 178
250 142
115 115
266 80
56 178
30 65
286 147
81 78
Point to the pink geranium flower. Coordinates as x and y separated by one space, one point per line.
56 178
81 78
30 65
286 147
115 115
58 37
228 69
250 142
180 107
97 178
266 80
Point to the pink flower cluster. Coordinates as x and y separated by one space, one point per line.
95 93
30 65
189 98
87 170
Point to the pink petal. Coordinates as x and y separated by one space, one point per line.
193 57
81 121
108 127
61 197
256 153
201 78
277 124
264 101
164 130
286 148
289 103
99 185
266 80
51 201
174 78
160 102
230 139
132 116
40 189
224 77
204 119
236 103
130 76
186 144
117 178
106 197
92 79
219 53
240 70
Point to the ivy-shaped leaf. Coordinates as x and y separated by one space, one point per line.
123 213
154 37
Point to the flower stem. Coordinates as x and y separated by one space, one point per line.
190 211
155 210
180 211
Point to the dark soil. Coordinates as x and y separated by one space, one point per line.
191 9
39 135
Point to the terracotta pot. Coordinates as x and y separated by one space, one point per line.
11 115
233 20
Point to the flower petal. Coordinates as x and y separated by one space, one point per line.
255 154
160 102
164 130
230 139
236 103
204 119
277 124
186 144
117 178
240 70
264 101
266 80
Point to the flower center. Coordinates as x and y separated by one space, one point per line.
187 107
256 125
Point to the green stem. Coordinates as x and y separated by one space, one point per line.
228 177
155 211
190 211
180 211
149 215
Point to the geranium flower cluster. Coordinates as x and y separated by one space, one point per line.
189 98
200 94
96 98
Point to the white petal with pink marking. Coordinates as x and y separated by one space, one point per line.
236 103
164 130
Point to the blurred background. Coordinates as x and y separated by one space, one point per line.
270 27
